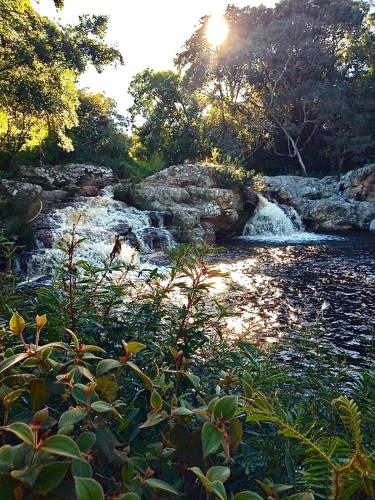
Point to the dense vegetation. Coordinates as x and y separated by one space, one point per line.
121 383
292 89
125 386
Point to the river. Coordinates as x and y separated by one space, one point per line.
285 284
287 291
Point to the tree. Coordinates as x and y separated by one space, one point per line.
98 137
288 70
165 119
39 64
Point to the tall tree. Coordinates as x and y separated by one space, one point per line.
165 118
288 69
39 64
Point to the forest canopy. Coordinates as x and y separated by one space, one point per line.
291 89
40 62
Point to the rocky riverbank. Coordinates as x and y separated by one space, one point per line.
193 201
203 204
334 203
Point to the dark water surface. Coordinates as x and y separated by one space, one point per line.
279 290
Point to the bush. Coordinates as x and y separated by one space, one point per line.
128 390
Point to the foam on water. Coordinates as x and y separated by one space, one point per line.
98 220
273 223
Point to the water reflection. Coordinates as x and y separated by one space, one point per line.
278 292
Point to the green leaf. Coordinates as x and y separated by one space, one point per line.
102 407
39 394
6 459
182 412
66 430
63 446
127 471
140 374
41 321
50 477
236 433
30 363
226 407
81 469
218 473
22 431
217 487
86 441
130 496
88 489
156 400
154 419
41 416
105 365
163 487
79 394
211 438
27 475
12 397
91 348
198 472
17 324
247 495
72 416
133 347
12 360
194 379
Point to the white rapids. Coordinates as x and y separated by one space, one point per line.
97 222
275 223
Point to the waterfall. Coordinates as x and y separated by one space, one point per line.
271 219
98 220
276 223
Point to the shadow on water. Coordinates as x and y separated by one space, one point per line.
278 289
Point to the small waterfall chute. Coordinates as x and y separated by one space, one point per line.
277 223
271 219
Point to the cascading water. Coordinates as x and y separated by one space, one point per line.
98 220
277 223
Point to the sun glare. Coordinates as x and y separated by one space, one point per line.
217 30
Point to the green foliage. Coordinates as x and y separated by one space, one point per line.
126 389
39 65
295 80
170 117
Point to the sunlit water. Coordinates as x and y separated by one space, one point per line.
274 223
279 275
279 289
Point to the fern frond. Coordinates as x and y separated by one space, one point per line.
351 418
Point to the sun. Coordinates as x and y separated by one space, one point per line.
217 30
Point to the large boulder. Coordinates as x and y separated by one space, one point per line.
72 178
12 192
202 203
334 203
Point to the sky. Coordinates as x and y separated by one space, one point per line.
148 33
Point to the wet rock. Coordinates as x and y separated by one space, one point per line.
160 219
372 226
89 191
202 203
336 203
54 198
